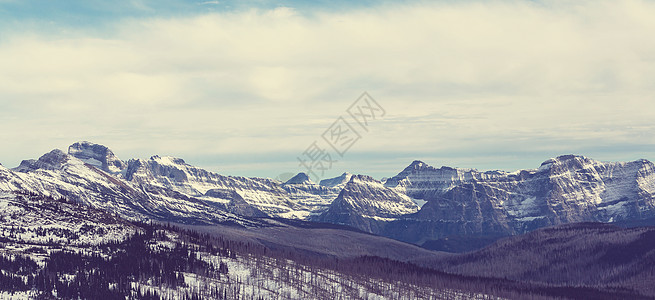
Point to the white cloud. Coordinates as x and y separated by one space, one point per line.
556 76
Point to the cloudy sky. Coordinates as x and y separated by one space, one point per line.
245 87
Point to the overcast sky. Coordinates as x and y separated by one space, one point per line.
245 87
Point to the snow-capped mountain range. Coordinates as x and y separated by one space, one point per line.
562 190
421 203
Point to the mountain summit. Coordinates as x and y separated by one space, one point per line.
300 178
97 155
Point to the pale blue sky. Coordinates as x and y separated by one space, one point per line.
244 87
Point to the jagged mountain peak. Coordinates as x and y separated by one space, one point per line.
363 179
54 156
97 155
300 178
416 166
53 160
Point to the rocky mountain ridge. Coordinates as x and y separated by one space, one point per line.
162 188
453 202
562 190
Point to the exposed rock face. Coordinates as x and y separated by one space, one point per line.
97 155
367 204
563 190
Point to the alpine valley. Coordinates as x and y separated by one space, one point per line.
87 224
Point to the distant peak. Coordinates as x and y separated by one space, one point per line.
332 182
300 178
417 163
53 155
362 178
415 166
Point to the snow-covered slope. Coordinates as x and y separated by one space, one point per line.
294 199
